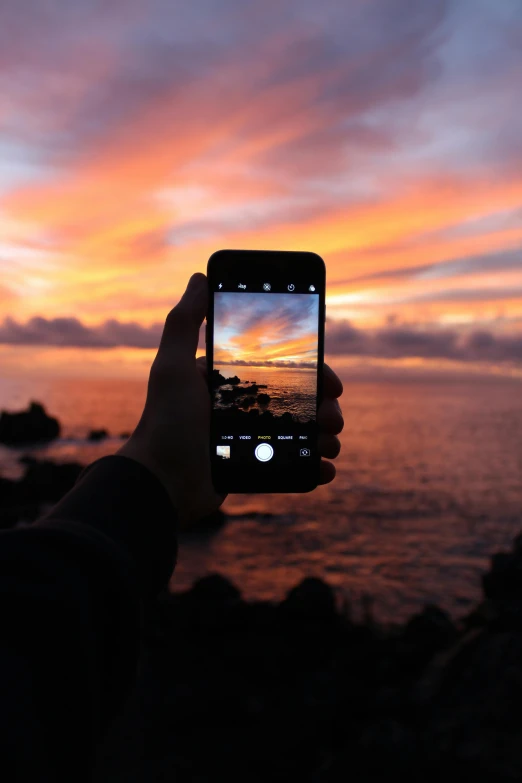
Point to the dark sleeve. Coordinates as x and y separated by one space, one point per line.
70 594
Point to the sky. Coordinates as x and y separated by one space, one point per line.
274 330
136 138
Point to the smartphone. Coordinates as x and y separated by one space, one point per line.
265 353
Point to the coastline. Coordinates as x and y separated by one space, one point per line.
324 693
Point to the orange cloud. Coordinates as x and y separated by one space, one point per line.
357 135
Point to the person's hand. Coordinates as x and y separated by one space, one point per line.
172 436
330 421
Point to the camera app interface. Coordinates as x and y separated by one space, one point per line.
265 374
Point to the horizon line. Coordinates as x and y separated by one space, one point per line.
268 365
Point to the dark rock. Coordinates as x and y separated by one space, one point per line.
44 482
263 399
214 588
220 380
299 689
96 435
503 588
311 597
30 426
237 393
504 580
431 628
12 507
228 395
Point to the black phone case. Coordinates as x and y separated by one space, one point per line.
224 263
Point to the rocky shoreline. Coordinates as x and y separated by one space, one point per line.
231 690
257 691
242 402
300 690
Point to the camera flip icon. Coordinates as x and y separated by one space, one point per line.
304 453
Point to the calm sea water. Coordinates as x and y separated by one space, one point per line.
290 390
429 485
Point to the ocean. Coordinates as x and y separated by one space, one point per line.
429 485
290 390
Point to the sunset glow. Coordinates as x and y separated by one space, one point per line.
138 138
257 330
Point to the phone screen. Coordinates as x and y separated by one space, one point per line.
264 375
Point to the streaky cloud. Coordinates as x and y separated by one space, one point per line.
498 261
342 339
288 365
398 342
71 332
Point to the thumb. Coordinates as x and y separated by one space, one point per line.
181 331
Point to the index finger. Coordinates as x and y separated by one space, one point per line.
332 386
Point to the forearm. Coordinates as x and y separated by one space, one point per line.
70 590
125 503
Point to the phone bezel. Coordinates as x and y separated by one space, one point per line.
230 264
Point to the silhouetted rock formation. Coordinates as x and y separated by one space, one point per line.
300 691
44 482
312 598
237 393
97 435
239 401
239 414
220 380
30 426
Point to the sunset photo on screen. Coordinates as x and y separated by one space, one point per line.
265 354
